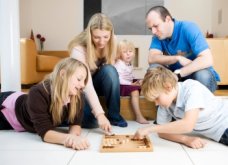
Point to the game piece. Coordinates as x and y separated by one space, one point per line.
125 143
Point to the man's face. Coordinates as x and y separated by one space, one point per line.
158 27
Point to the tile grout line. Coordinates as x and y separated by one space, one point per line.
72 158
75 151
187 154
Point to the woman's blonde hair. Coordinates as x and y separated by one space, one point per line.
59 84
156 80
124 44
97 21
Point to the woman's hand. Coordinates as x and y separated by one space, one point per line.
104 123
76 142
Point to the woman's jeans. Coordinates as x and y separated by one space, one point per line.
204 76
106 83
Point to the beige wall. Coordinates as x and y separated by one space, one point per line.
198 11
57 20
220 29
60 20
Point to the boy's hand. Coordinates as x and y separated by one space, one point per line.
141 133
194 142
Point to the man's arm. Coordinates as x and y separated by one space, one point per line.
203 60
156 57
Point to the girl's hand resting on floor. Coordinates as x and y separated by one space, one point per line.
76 142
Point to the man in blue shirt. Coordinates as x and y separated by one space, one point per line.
181 47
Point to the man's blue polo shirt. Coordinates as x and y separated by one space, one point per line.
187 40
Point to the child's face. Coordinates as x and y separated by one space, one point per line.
77 81
127 55
165 99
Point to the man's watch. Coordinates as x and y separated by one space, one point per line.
177 72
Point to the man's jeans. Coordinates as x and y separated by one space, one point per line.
204 76
224 138
106 83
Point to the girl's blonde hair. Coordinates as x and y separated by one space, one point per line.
101 22
59 84
156 80
124 44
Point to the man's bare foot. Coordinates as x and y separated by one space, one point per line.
142 120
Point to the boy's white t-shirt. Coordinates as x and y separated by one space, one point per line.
213 117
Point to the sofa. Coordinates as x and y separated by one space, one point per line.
35 65
219 49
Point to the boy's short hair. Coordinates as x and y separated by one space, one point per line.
156 80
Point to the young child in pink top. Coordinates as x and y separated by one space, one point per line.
129 86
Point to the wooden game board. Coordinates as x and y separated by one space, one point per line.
125 143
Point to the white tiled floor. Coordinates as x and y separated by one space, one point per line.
28 149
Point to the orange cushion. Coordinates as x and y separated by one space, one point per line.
46 63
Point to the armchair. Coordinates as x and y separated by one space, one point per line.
35 66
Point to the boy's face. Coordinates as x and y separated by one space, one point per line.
165 99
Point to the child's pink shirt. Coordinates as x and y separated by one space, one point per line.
125 72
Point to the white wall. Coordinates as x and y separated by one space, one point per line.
198 11
57 20
220 29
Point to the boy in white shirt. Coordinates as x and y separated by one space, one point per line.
193 107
